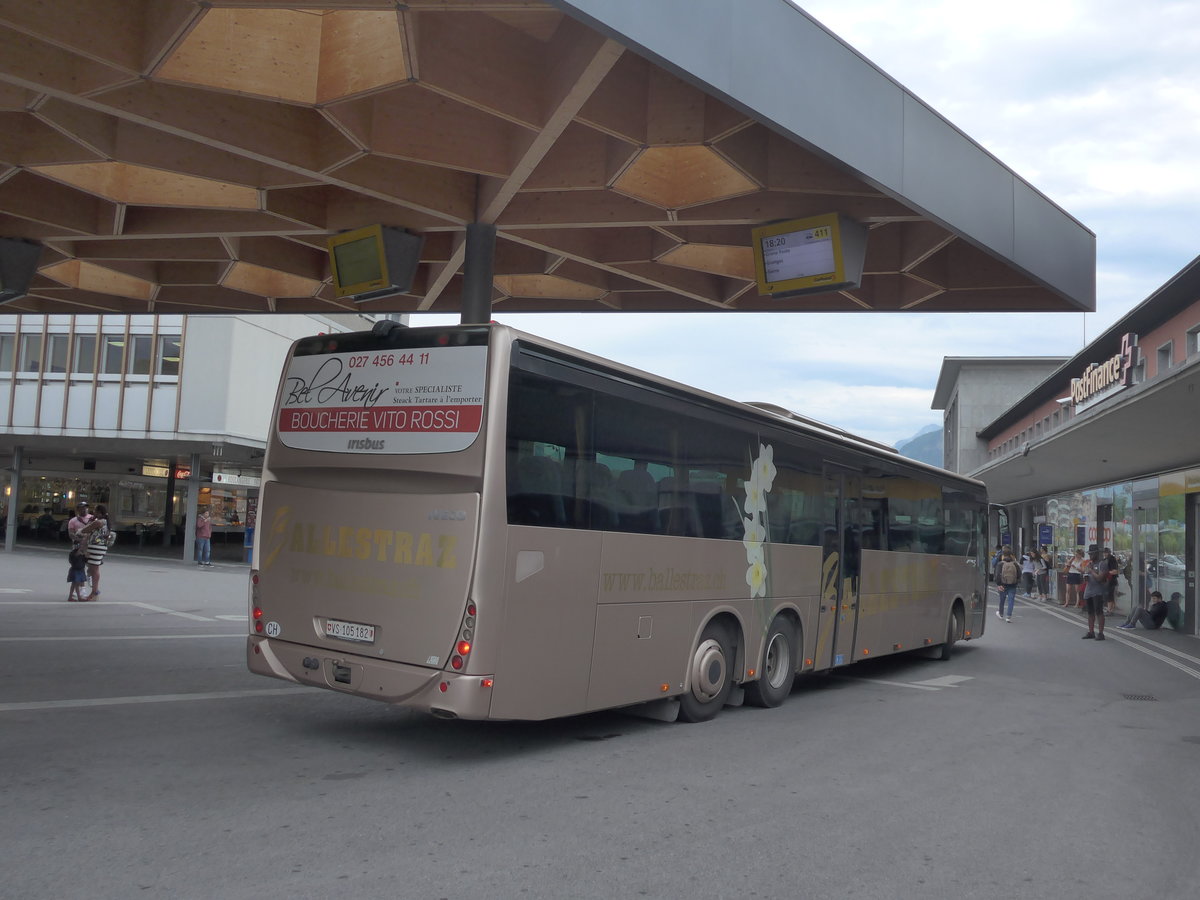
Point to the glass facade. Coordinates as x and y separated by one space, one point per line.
1145 523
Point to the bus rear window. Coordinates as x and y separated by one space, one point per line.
383 399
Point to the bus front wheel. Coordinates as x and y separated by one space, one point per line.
778 669
708 676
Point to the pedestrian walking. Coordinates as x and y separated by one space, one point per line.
1095 592
1008 573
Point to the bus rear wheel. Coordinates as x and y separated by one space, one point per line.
953 632
709 680
777 671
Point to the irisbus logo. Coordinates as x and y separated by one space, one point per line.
363 444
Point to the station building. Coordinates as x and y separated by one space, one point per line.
153 416
1100 449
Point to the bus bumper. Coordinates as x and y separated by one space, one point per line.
434 691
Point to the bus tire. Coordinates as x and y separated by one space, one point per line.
709 675
777 670
953 630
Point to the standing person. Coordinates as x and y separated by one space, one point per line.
203 538
1041 573
1114 570
96 533
1075 568
1027 570
76 575
1008 573
1095 592
80 520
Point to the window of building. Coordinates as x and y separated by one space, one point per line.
31 353
113 352
1165 357
137 357
84 362
56 353
168 355
1193 340
7 344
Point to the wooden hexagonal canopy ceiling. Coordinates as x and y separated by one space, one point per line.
193 156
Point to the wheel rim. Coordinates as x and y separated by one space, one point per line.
777 663
708 670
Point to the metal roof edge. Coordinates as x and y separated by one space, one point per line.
897 143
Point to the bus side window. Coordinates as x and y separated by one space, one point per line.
677 509
637 495
537 497
596 496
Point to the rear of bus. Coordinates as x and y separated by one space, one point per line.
370 518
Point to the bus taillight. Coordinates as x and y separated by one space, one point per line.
466 635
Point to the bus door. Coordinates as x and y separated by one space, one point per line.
841 555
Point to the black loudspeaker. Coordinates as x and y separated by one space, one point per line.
18 262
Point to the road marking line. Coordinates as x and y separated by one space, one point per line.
152 698
946 680
169 612
95 603
907 684
119 637
16 590
1138 643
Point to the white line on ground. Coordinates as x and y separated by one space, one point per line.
152 698
57 638
906 684
92 604
946 680
1138 643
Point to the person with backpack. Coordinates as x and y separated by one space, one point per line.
1008 574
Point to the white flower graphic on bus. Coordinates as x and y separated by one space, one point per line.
757 525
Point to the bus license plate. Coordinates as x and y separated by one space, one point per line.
350 631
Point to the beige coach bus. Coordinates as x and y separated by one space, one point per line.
477 523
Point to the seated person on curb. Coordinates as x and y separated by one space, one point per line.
1151 618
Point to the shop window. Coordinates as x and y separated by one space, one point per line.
113 352
31 353
168 355
1165 357
137 356
56 353
84 362
7 344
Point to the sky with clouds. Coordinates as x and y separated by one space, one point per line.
1096 103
